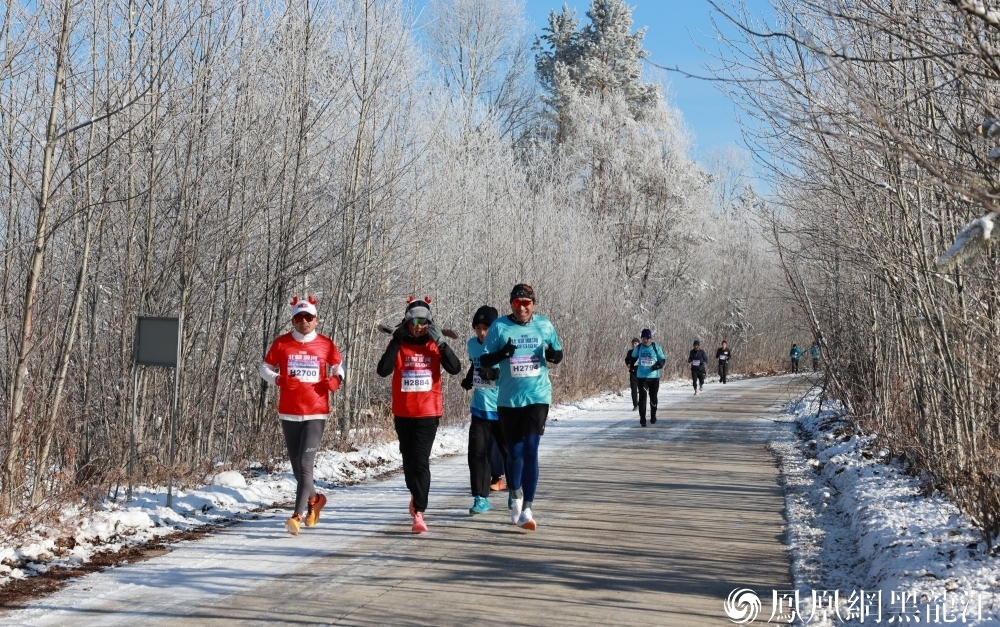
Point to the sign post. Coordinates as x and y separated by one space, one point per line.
157 344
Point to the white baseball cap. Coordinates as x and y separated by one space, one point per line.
304 306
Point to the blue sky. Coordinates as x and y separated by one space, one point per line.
676 31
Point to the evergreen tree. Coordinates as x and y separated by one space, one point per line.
602 57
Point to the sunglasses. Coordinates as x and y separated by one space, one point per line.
418 322
522 302
306 317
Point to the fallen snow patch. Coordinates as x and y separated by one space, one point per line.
866 542
82 531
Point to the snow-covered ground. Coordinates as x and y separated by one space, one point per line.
256 551
868 546
230 495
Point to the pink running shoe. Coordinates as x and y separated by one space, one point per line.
419 526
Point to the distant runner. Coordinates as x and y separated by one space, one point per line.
414 357
633 379
795 354
523 344
723 354
814 352
306 367
649 359
485 427
698 360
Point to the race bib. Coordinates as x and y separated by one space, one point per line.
723 357
480 383
695 362
416 381
522 366
646 361
305 368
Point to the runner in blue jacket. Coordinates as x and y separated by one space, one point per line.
522 344
485 426
795 354
649 360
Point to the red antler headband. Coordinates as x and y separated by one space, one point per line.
303 306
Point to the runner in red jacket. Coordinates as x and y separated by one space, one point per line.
414 357
306 367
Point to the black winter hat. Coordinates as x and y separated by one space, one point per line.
484 315
522 291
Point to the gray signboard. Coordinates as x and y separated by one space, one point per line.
156 341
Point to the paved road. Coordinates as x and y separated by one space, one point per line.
637 526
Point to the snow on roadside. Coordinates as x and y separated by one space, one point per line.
860 526
80 531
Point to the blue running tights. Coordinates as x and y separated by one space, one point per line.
524 465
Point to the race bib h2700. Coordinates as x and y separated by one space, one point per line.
305 368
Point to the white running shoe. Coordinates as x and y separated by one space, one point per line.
526 520
515 512
696 392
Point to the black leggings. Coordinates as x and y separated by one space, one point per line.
416 438
697 378
480 444
302 440
723 370
653 387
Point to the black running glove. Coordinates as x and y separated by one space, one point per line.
488 360
467 381
552 355
400 333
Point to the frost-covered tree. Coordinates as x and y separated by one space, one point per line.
601 58
481 50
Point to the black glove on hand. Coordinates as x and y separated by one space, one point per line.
488 374
553 356
467 382
488 360
400 333
508 349
435 334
